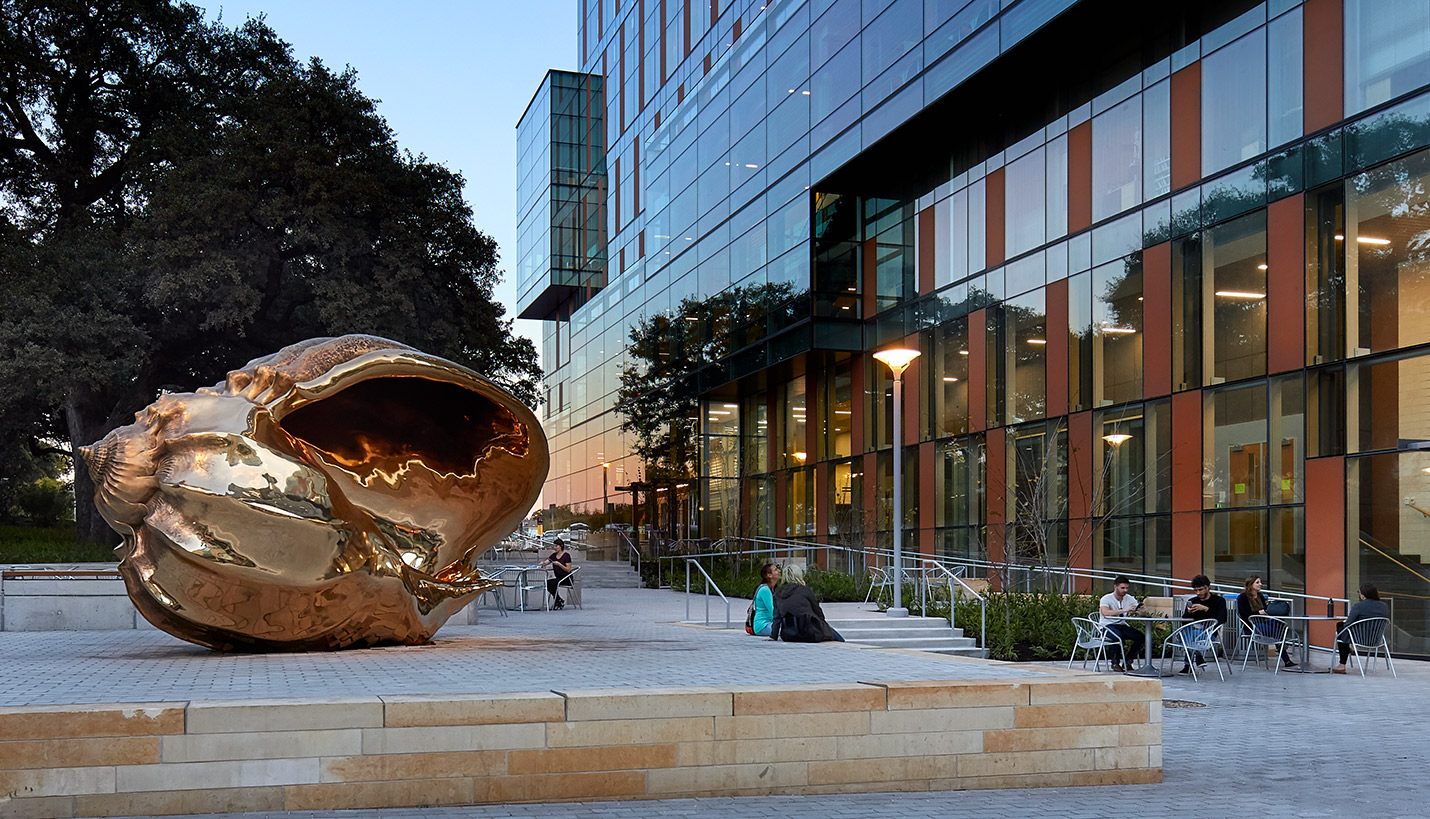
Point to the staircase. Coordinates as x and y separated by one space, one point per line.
875 628
608 574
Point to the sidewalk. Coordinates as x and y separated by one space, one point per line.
1269 745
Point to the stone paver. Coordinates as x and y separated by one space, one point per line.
623 638
1265 745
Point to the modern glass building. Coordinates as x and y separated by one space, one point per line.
1168 265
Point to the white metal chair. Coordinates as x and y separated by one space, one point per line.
879 579
1368 634
1201 636
1263 631
572 585
1091 635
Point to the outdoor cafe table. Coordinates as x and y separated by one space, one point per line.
1147 621
1305 666
522 586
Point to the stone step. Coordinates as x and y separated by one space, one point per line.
875 635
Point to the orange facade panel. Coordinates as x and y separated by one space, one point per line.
993 220
1187 126
997 513
1057 349
927 251
1187 452
1187 556
1285 285
1327 542
977 370
1157 320
912 381
1322 77
1080 177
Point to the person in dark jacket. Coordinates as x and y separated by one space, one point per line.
798 618
1203 606
1370 605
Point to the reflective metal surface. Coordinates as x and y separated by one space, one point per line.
334 494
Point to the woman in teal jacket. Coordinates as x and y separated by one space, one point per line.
765 599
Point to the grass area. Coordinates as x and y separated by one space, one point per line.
36 544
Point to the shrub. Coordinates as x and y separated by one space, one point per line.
45 502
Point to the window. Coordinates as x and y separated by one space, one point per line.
1234 103
1025 185
1117 159
1388 269
1117 330
1234 298
1387 50
948 379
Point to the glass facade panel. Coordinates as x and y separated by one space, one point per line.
1387 50
1235 452
948 379
1234 103
1389 268
1234 298
1117 159
1117 330
1027 354
1389 404
1234 546
1387 543
1026 187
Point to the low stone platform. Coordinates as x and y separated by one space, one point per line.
615 701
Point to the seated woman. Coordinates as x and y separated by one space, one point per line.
765 600
1252 601
798 618
1370 605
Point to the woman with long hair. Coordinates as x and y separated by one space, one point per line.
1252 601
765 599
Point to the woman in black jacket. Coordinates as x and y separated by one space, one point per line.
798 618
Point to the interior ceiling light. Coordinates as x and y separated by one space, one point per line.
1261 267
950 378
1240 294
1372 240
843 412
1119 330
1117 438
963 352
730 406
800 455
1037 341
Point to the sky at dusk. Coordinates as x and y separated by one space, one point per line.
453 77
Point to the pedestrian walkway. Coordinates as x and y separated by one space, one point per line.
1273 745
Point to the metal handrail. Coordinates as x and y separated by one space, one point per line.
952 577
709 584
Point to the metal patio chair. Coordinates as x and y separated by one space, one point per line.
1200 636
1368 634
571 584
1091 636
878 579
1263 631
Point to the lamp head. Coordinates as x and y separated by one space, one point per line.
1117 438
897 359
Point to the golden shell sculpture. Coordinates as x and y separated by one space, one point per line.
335 494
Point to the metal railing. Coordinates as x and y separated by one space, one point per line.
709 584
951 576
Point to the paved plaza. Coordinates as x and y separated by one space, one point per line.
1269 745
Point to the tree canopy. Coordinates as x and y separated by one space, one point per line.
178 197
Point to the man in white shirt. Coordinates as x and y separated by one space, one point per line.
1113 607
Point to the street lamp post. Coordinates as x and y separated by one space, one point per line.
605 501
897 360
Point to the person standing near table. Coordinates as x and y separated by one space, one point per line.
1252 601
1112 608
1370 605
1203 606
560 563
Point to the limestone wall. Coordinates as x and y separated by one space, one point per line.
396 751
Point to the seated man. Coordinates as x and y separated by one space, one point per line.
1203 606
1113 607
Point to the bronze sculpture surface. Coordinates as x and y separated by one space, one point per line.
334 494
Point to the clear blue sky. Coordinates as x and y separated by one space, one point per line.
453 77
